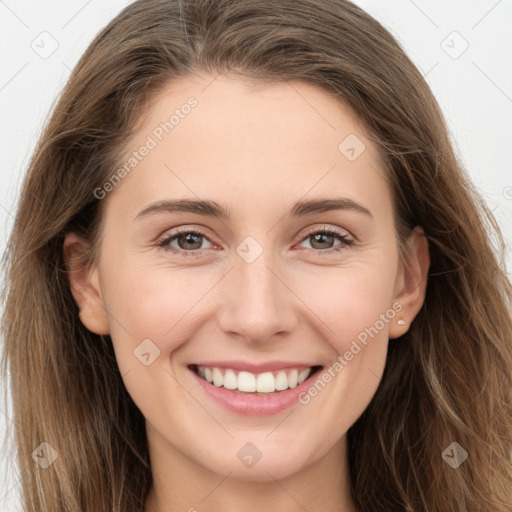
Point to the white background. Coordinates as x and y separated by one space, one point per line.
474 91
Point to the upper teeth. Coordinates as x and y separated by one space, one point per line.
249 382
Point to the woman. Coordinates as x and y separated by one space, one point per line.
258 368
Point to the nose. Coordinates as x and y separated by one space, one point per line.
258 303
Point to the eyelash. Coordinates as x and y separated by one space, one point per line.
163 243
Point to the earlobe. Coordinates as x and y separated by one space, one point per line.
84 284
411 282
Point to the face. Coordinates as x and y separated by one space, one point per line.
265 282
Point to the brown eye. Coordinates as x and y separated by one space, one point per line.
322 240
188 242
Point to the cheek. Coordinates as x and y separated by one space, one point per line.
151 307
357 310
148 309
149 317
353 299
355 303
359 338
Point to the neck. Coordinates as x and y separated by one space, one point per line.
181 484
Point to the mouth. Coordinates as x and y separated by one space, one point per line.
248 383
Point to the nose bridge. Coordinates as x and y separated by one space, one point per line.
259 304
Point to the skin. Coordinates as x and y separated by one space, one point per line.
256 149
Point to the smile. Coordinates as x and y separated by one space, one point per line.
248 382
251 389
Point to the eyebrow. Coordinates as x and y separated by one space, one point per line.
213 209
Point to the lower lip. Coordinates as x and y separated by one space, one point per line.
251 403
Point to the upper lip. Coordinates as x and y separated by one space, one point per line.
253 367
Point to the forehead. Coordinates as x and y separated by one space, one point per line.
230 138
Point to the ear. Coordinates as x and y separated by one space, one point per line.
411 282
84 284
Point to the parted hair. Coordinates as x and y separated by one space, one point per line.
448 379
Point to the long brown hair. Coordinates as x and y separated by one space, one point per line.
448 379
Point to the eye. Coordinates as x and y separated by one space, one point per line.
189 241
326 236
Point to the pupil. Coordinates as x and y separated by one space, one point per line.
189 239
319 236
